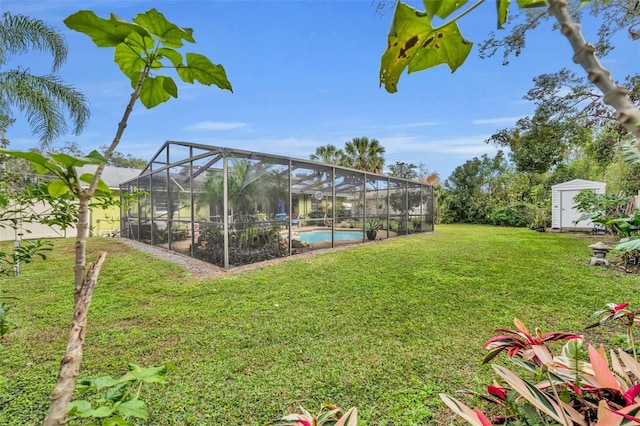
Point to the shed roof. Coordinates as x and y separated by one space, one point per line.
579 183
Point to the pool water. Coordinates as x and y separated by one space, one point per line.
322 235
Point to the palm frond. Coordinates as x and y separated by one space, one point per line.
630 151
19 34
44 99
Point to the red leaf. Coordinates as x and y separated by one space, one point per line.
483 419
498 391
631 394
620 307
575 388
627 416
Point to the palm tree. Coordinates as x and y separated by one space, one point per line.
364 154
251 185
43 99
328 154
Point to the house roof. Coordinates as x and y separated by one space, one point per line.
112 176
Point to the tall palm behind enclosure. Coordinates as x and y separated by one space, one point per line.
328 154
364 154
252 186
43 99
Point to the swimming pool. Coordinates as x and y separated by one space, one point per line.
325 235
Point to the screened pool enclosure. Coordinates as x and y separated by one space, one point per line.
231 207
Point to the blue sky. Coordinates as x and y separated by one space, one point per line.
305 74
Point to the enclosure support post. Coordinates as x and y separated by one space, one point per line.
333 206
290 236
225 207
192 200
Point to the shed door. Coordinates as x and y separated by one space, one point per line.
568 213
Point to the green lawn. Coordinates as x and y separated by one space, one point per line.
384 326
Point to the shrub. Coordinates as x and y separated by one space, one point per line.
575 387
247 245
519 214
329 415
604 209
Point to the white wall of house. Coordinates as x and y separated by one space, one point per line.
563 211
32 231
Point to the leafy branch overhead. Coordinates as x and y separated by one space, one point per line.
415 44
63 167
146 45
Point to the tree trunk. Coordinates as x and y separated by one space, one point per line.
82 293
70 364
584 56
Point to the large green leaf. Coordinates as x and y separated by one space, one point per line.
104 32
131 55
72 161
502 7
115 393
153 91
57 188
94 157
415 44
146 375
447 47
170 86
95 384
102 186
442 8
102 411
174 56
200 68
115 421
39 161
629 244
79 406
132 408
164 31
532 3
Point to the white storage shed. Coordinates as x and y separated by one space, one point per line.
563 212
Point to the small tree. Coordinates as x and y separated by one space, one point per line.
142 48
403 170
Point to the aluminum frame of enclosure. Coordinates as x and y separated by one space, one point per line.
233 207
